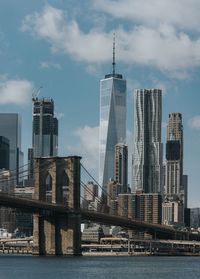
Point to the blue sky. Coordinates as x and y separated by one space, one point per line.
65 46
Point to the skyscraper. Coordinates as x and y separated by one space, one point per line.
90 191
112 121
45 128
30 164
4 153
10 128
121 166
174 155
175 189
148 149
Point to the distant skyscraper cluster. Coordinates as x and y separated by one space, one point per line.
13 175
152 178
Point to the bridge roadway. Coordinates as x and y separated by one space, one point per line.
44 208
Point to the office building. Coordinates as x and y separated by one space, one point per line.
7 219
7 215
148 149
173 213
174 156
7 183
185 190
141 207
195 217
121 166
10 128
112 121
175 127
173 177
92 234
91 199
90 191
175 190
4 153
24 220
30 164
45 128
113 190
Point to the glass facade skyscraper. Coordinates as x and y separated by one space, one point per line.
4 153
121 166
45 128
148 149
112 123
10 128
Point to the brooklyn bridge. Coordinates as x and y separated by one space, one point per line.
57 214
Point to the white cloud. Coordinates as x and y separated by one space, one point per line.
160 84
66 36
184 14
15 91
132 84
87 146
162 46
59 115
50 65
194 122
3 43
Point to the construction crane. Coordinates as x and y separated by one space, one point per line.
35 93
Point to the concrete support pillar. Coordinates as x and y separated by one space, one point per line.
49 231
38 235
68 235
58 234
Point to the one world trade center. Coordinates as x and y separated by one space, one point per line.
112 121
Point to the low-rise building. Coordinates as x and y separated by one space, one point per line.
92 234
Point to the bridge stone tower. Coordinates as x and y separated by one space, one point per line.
57 180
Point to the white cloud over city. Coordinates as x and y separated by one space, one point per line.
183 14
15 91
50 65
194 122
150 40
87 146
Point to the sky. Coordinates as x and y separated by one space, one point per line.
65 46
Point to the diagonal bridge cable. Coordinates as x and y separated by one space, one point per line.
105 192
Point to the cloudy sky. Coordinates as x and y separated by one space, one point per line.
65 46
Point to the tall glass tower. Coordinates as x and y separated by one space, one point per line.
112 121
10 128
45 128
148 149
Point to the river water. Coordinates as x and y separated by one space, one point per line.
30 267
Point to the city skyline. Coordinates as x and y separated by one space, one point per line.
70 58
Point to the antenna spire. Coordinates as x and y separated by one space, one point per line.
113 62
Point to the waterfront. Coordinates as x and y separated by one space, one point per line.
99 267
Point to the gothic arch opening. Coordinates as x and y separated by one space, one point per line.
48 188
65 188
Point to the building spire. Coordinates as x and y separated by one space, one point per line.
113 62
